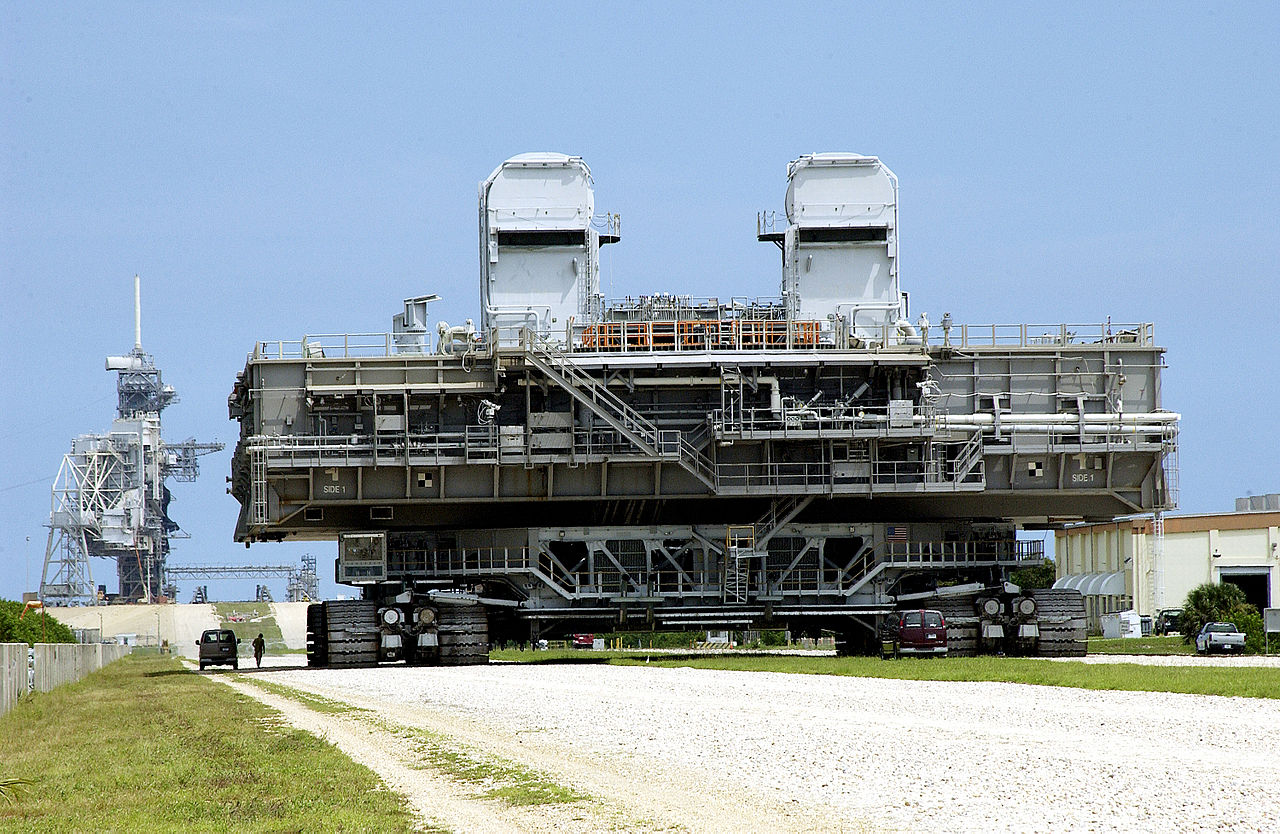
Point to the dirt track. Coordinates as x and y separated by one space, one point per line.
706 750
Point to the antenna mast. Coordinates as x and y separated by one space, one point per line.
137 314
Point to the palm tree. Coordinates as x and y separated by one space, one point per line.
1210 603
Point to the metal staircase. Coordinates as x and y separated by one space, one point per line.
781 511
552 362
968 460
867 565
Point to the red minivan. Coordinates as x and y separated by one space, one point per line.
922 631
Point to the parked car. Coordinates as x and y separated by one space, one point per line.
1167 620
218 648
1219 637
922 631
583 641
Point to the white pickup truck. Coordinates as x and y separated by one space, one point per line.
1219 637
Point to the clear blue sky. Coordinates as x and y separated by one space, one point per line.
279 169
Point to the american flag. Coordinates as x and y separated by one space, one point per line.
895 534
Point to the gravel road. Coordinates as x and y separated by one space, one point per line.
710 750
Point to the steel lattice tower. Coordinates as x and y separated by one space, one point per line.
109 499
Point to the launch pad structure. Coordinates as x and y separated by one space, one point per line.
110 500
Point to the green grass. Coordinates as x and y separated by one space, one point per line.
1249 682
145 745
315 702
12 788
1140 645
258 619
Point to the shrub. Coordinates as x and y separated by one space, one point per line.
1209 603
1040 576
1251 625
773 639
36 627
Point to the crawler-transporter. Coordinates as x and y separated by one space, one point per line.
812 461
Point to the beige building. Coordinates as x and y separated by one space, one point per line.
1120 565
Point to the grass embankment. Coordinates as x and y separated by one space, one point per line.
1249 682
1140 645
257 619
495 778
145 745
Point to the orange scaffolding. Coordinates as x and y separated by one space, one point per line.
700 334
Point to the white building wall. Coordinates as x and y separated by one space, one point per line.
1187 563
1188 556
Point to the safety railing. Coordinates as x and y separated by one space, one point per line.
474 444
779 478
811 581
592 393
656 335
938 553
288 451
658 324
640 583
800 419
773 222
1096 437
461 562
675 307
655 583
969 461
775 477
1042 335
700 335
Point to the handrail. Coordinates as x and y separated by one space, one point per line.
582 386
612 582
787 476
970 457
964 552
356 346
957 336
614 410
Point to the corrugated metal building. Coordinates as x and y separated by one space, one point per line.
1120 565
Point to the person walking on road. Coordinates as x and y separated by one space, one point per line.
259 646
